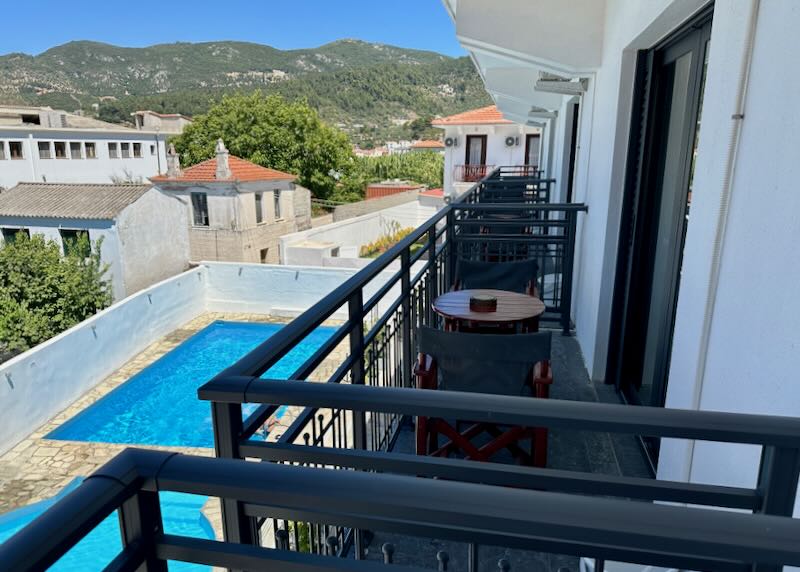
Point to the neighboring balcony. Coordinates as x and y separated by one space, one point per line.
471 173
344 482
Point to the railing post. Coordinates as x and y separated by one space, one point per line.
433 272
355 309
140 521
405 293
569 264
778 477
450 260
227 420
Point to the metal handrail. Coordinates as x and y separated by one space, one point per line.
614 529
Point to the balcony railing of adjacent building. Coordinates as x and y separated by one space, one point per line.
471 173
354 421
475 173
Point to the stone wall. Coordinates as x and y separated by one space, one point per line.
350 210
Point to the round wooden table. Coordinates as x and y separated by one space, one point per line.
514 311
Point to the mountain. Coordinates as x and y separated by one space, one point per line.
359 85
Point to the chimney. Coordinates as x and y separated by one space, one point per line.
223 168
173 163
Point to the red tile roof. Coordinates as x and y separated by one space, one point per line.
485 115
241 170
433 193
428 144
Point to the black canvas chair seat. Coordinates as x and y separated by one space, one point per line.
515 276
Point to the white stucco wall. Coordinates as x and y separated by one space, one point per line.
36 385
352 233
153 240
105 230
102 169
497 153
752 358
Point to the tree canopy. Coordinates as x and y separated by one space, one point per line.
43 292
272 132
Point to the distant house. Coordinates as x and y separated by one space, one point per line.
478 140
170 123
427 145
41 144
236 210
391 187
143 231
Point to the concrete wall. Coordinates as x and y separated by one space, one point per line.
352 233
102 169
105 230
41 382
154 240
350 210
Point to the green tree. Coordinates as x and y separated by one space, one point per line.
43 292
426 168
270 131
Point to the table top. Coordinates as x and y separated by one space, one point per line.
511 306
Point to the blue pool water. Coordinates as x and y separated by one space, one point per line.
159 405
181 514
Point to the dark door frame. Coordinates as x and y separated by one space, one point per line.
573 150
528 138
484 138
641 204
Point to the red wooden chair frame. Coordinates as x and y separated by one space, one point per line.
503 437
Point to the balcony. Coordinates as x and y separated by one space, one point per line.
471 173
341 488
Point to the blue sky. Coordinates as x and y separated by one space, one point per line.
285 24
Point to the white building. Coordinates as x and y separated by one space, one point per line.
476 141
143 231
39 144
236 210
170 123
689 309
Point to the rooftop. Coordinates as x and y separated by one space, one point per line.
488 115
428 144
241 170
163 115
69 201
31 117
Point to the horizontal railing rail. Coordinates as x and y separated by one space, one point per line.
610 529
779 467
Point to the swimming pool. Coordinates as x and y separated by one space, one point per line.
159 405
181 514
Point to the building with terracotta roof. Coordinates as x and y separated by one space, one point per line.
141 231
478 140
170 123
427 145
236 210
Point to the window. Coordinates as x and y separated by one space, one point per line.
44 150
61 149
277 199
75 151
2 150
91 151
200 209
76 242
126 150
15 149
259 208
264 255
10 234
113 151
137 149
152 149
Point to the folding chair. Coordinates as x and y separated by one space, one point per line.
516 365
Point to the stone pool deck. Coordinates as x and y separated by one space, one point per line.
37 468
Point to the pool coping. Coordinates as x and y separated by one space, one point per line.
37 468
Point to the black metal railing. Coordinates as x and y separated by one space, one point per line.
521 520
383 317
